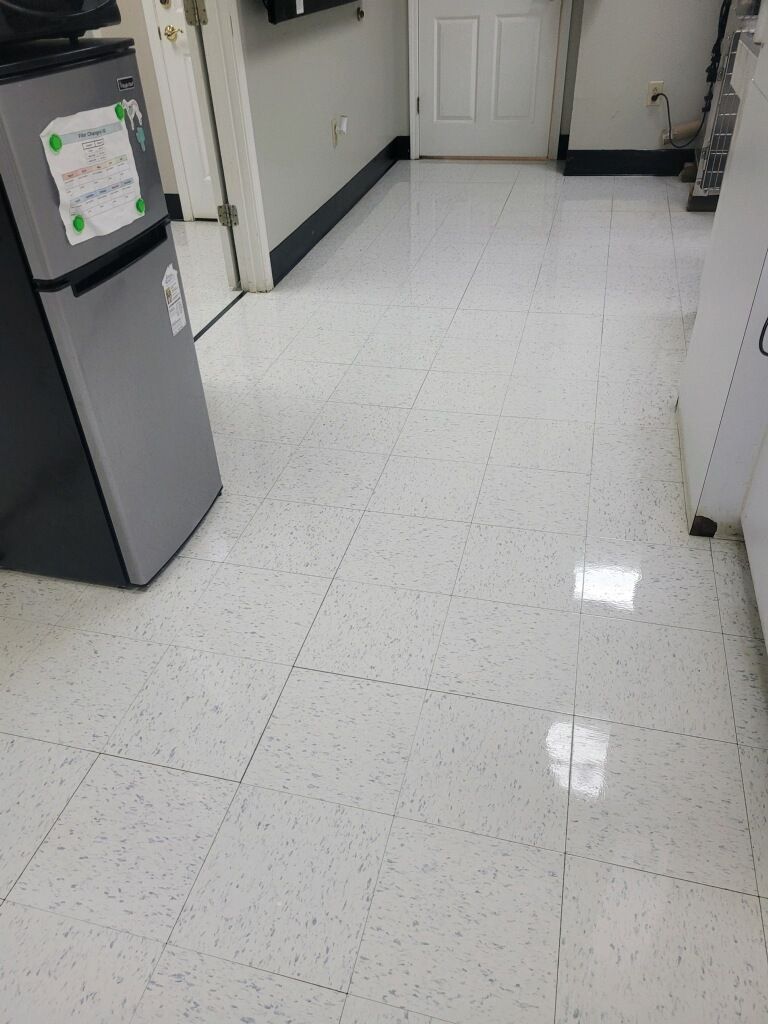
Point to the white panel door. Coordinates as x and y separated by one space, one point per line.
180 45
486 76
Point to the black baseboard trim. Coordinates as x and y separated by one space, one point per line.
403 147
627 161
562 147
295 247
702 204
173 202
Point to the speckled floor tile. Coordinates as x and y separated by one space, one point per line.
403 551
476 355
748 673
495 325
463 927
200 712
18 639
508 653
74 687
292 536
378 385
409 352
627 451
547 399
638 947
754 768
153 613
650 511
357 428
38 780
376 633
197 989
533 499
522 567
543 444
493 769
478 393
301 378
340 739
661 333
254 613
364 1011
658 677
447 435
326 477
735 592
639 404
250 467
269 418
669 804
127 848
216 535
555 345
669 585
428 487
294 863
36 598
56 969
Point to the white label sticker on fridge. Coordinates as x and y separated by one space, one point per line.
299 6
91 161
173 299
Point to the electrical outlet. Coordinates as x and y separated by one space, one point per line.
654 88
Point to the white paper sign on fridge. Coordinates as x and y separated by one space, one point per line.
173 299
90 158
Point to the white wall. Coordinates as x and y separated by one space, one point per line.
134 25
624 45
302 74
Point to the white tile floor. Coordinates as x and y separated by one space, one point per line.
440 716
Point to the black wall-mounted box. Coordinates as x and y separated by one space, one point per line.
285 10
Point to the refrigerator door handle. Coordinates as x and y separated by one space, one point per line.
116 262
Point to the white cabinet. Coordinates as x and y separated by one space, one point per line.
723 408
754 520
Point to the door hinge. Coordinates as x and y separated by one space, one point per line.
227 215
195 12
418 104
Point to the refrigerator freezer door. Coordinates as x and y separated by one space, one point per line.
27 106
137 389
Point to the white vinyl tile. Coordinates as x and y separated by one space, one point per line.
508 653
338 738
57 969
38 781
556 445
628 669
447 435
661 802
127 848
357 428
376 633
292 536
486 768
330 477
735 592
428 487
463 928
254 613
295 863
748 674
641 947
200 712
526 567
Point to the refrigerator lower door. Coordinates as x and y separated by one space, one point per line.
137 389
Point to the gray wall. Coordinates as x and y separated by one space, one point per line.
624 45
302 74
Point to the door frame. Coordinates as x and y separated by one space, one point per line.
564 30
239 183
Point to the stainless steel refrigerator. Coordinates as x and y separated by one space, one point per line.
107 462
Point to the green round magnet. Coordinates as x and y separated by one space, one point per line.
78 222
141 205
54 141
119 111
